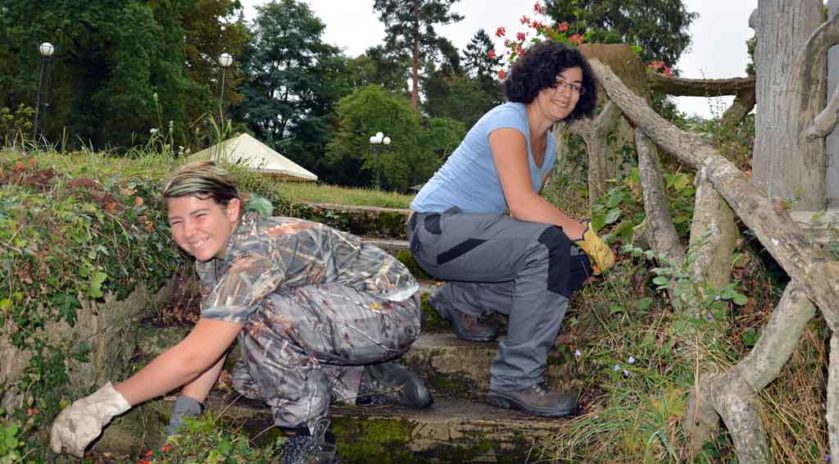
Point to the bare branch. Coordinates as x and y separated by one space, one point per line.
826 121
662 233
816 272
594 134
743 103
700 87
811 67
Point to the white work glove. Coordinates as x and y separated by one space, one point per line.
81 422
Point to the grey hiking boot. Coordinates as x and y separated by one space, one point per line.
315 447
466 326
537 399
392 383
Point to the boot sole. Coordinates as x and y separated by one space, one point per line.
506 402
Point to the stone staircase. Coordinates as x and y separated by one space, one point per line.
459 427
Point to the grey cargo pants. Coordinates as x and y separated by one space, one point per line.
494 263
307 346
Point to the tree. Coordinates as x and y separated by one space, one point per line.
460 97
658 27
405 162
111 60
479 57
375 67
291 82
410 31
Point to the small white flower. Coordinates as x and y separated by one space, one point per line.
616 368
626 373
153 131
631 360
577 354
717 297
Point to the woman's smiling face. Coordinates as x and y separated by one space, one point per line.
559 100
202 227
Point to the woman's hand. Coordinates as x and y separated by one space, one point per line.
81 422
597 250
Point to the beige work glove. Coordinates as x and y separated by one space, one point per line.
600 254
80 423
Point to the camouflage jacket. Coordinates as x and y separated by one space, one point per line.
264 254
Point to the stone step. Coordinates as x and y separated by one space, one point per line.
454 367
394 246
451 430
358 220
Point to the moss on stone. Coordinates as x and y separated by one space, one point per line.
373 440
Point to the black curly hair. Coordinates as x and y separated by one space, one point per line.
537 69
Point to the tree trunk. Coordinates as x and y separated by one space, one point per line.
832 141
415 59
609 158
662 234
785 165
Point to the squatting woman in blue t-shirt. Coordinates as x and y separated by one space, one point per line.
523 264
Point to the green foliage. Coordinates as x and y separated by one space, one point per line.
15 126
292 80
206 440
409 29
458 96
659 27
479 58
405 162
10 445
622 206
443 135
110 59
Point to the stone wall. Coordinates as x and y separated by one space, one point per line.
109 328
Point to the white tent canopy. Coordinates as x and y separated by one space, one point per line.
255 155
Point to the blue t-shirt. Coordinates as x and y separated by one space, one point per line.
469 179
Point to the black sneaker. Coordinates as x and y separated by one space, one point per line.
392 383
466 326
537 399
317 447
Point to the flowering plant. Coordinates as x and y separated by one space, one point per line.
538 30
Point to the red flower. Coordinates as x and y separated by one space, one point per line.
500 32
502 74
524 20
668 72
166 448
537 7
537 25
655 64
520 36
575 39
491 54
519 50
507 42
562 27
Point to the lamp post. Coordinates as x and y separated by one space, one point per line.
376 142
224 60
46 50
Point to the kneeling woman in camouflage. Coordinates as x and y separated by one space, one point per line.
320 316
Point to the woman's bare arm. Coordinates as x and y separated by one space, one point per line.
509 152
185 362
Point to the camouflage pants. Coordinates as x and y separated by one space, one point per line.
306 346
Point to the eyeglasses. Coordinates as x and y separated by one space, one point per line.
573 87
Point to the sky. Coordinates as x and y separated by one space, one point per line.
717 50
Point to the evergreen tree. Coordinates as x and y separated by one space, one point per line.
409 25
659 27
292 80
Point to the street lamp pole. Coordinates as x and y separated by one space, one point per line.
224 60
46 50
376 142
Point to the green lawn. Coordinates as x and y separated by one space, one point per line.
318 193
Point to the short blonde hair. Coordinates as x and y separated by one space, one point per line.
202 179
